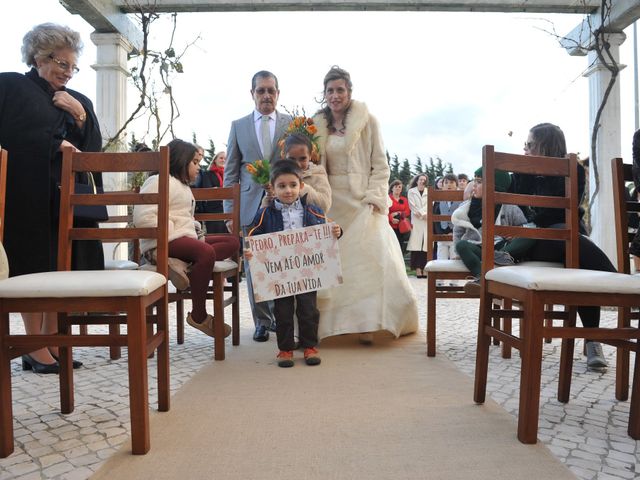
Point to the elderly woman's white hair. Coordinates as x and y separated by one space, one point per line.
44 39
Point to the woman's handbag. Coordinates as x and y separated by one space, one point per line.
86 213
404 226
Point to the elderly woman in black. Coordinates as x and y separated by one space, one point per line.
38 117
547 140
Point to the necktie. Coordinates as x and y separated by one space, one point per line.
265 133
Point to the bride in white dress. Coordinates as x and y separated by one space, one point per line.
376 294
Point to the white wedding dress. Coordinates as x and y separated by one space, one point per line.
376 293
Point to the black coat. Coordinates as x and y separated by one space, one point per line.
31 130
208 179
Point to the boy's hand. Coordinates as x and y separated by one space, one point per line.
248 254
336 230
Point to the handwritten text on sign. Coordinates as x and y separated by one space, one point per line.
294 261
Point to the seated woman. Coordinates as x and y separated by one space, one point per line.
546 139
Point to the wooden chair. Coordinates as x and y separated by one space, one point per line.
222 270
535 287
124 294
623 208
440 271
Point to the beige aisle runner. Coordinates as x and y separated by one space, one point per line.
381 412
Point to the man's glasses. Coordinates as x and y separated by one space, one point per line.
64 66
262 91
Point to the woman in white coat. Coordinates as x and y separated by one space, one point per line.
417 245
375 293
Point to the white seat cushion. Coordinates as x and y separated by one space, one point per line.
565 279
88 283
458 266
446 266
120 265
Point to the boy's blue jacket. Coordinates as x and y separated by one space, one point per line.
269 219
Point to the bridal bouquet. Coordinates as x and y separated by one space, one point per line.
260 171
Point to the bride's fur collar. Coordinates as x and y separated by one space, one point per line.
357 118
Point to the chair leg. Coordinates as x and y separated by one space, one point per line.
180 321
622 360
634 408
566 359
6 406
218 315
235 311
163 367
431 316
138 383
548 322
482 351
531 335
115 352
65 376
507 327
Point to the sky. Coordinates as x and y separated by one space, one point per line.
441 84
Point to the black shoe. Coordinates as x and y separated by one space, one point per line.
272 327
76 363
28 363
261 334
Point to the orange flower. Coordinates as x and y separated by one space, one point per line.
298 121
258 163
312 129
251 169
309 121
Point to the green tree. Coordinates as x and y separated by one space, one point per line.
418 166
405 172
394 165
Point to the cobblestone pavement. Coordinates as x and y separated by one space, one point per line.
588 434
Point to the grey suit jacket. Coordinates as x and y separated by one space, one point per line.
243 148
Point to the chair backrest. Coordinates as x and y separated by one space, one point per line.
434 196
623 208
220 193
566 168
77 162
4 157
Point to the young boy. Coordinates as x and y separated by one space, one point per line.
467 231
289 211
446 249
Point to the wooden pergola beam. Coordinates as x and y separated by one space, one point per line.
534 6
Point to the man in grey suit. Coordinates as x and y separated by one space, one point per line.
252 138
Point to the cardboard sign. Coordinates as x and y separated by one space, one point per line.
292 262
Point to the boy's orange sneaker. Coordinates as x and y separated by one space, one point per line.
311 356
285 359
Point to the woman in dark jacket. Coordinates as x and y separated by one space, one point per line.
548 140
38 117
214 177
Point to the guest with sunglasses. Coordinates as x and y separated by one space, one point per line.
38 117
546 139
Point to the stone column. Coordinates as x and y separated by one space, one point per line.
608 145
111 108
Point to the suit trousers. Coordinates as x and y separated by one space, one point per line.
304 307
